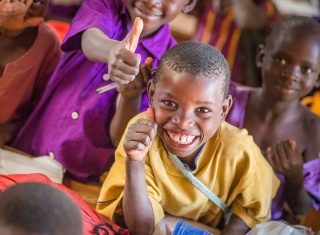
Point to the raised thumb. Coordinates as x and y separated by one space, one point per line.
132 39
150 113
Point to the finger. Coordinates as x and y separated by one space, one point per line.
149 62
132 39
146 70
268 156
150 113
32 22
293 144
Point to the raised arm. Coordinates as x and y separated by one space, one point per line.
136 205
288 161
123 63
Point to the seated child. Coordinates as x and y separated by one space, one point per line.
12 15
189 101
72 121
28 58
38 208
285 130
92 222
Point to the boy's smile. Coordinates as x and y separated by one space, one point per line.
188 112
155 13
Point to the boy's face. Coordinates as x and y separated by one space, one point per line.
155 13
37 8
187 111
291 66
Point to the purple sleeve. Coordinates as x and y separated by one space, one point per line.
101 14
240 96
311 171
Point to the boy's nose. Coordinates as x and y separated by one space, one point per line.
183 120
292 72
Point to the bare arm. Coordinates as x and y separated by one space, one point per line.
137 209
129 100
138 212
235 226
288 161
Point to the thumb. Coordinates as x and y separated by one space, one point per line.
150 113
149 61
292 144
132 39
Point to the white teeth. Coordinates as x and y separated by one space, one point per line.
181 138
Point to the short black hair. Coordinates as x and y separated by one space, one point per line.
294 25
199 60
39 208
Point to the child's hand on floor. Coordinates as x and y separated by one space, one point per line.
140 136
286 159
12 15
123 64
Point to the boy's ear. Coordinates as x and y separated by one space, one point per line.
150 90
189 6
227 103
260 55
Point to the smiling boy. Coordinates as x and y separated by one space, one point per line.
188 104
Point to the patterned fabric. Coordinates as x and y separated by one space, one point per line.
221 31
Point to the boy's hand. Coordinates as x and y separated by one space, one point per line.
140 82
12 15
286 159
140 136
123 64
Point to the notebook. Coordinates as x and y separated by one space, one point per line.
184 228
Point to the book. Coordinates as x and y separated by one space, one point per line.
15 162
184 228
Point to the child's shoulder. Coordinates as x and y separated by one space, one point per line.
233 137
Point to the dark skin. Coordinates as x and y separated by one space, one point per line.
287 132
131 85
176 113
12 15
15 41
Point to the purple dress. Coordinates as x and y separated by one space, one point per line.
311 169
72 120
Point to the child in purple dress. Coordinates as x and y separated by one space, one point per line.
72 121
287 132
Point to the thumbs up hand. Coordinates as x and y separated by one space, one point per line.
123 64
140 137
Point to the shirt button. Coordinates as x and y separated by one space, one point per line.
74 115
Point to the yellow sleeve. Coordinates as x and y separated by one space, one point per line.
109 202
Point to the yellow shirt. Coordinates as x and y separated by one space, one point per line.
230 164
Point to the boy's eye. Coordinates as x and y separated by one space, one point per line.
204 110
170 103
37 1
306 70
280 60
